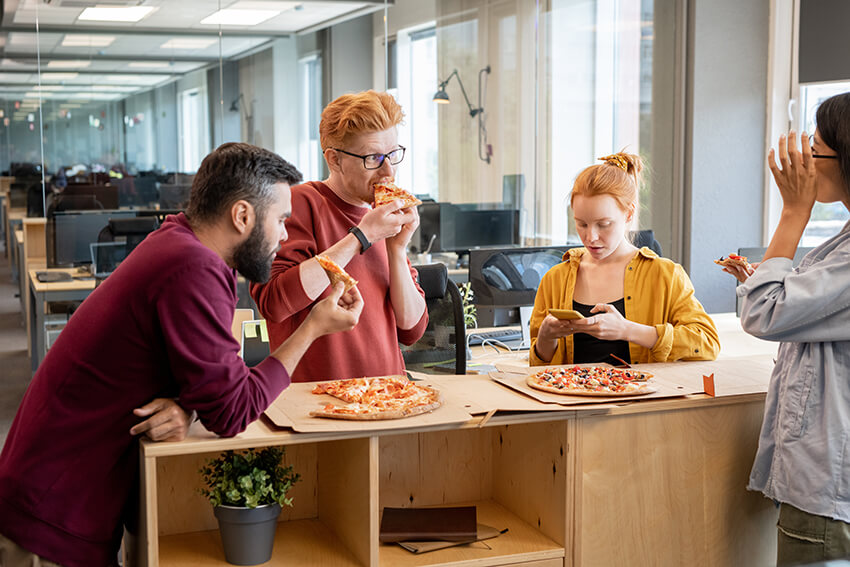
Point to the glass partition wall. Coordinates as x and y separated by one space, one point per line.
532 91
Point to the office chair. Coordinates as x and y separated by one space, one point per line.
641 238
443 345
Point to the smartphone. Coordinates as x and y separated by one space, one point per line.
565 314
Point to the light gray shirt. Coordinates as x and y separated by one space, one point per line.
803 457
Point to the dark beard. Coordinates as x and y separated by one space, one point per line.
252 258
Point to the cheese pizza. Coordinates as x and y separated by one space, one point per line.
386 192
387 397
591 381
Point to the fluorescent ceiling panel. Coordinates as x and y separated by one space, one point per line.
19 39
67 64
260 5
148 64
59 76
230 17
87 40
188 43
115 13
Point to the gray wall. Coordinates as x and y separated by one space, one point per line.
725 149
351 56
228 129
165 127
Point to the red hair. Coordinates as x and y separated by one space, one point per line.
619 177
356 113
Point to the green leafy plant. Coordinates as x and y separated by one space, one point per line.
470 316
248 478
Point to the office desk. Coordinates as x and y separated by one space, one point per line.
643 483
40 294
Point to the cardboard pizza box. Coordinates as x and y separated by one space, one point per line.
292 410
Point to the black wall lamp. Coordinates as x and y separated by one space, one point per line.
442 97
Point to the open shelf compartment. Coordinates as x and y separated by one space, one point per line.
515 475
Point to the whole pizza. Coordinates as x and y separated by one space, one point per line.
591 381
387 397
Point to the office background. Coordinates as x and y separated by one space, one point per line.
699 88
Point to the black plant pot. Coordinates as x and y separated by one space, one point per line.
247 534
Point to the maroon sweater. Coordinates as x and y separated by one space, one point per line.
158 326
319 220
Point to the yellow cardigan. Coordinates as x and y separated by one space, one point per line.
657 292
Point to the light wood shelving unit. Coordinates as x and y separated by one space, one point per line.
651 483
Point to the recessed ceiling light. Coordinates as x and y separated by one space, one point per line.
188 43
68 64
85 40
115 13
230 17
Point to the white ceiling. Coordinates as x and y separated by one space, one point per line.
78 58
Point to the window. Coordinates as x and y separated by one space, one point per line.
416 79
309 150
194 129
827 218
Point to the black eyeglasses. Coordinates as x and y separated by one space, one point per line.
821 156
375 161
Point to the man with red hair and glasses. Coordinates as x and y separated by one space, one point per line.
335 218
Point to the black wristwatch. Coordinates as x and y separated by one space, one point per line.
364 242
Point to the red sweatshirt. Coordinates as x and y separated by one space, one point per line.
319 220
158 326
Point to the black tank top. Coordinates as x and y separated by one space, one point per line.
587 348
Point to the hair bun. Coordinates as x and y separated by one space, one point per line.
630 163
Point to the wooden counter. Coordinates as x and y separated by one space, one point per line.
648 483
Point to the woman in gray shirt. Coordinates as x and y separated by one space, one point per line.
803 458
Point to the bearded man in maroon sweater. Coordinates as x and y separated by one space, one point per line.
335 218
157 328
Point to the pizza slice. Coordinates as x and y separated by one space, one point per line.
386 192
336 273
734 260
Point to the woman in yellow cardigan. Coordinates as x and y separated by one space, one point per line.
638 306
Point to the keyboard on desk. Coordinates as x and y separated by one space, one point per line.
502 335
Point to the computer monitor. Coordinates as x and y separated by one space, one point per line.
105 257
70 234
504 279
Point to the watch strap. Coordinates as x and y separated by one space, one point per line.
364 242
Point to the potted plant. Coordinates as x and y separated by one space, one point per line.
247 489
470 316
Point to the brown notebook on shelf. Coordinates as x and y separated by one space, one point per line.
458 523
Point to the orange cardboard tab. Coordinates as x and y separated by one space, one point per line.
708 384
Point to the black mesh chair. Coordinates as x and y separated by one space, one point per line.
443 346
641 238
